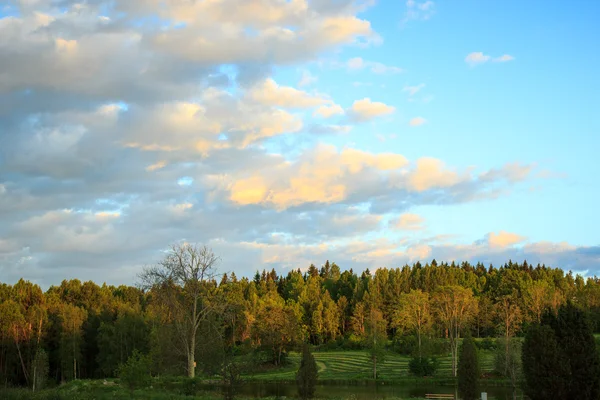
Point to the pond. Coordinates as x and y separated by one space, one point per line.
367 392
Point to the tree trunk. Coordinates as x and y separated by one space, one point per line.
419 337
22 362
192 358
374 367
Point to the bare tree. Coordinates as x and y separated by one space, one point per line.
182 282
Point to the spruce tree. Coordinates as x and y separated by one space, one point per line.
576 340
560 359
306 377
545 367
468 370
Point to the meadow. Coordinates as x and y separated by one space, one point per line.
355 366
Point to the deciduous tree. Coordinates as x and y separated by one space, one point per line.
181 280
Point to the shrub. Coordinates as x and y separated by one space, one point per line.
135 373
423 366
435 347
190 386
486 344
407 345
353 342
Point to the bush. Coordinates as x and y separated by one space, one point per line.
135 373
190 386
423 366
435 347
406 345
353 342
486 344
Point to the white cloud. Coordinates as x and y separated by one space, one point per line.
476 58
504 58
504 239
270 93
366 109
409 221
329 111
119 139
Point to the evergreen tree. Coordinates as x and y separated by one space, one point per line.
576 341
306 377
468 370
545 368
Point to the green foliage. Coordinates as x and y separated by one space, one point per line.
486 344
468 370
545 366
423 366
117 340
507 359
562 353
307 375
376 339
135 373
87 330
190 386
39 370
406 345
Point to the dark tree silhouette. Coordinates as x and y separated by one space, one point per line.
468 370
307 374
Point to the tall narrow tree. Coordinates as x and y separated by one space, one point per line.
468 370
307 375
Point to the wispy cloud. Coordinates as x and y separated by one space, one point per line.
412 90
478 57
357 63
307 79
418 10
417 121
504 58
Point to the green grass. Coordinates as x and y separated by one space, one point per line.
356 366
97 390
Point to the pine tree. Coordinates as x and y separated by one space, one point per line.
306 377
468 370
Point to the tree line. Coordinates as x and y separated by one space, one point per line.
186 317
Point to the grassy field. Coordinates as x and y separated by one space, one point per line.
97 390
355 365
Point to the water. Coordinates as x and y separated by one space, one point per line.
366 392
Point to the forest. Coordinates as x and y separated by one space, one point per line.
189 318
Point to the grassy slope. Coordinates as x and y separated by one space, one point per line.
355 365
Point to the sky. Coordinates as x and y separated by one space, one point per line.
282 133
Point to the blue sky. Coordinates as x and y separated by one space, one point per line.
286 133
